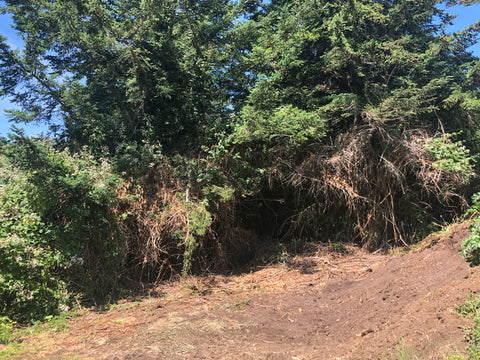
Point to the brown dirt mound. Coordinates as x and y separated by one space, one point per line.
355 306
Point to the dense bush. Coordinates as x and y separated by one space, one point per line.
471 245
29 285
58 235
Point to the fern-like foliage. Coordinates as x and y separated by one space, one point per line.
471 245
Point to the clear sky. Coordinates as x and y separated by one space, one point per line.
466 16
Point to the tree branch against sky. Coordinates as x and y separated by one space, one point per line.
466 16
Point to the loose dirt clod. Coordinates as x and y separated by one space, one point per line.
355 306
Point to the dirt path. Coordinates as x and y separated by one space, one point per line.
359 306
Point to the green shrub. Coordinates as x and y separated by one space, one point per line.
58 235
198 221
29 288
471 245
449 155
135 160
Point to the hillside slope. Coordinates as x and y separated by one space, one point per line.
324 306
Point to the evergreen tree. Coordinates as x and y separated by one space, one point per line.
119 72
352 114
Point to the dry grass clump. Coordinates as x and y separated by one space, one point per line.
170 229
154 219
382 188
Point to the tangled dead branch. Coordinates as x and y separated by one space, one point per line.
169 230
378 185
151 221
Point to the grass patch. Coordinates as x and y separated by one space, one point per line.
243 304
472 308
402 352
11 333
13 350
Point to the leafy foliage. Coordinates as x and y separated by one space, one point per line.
450 156
57 229
288 126
28 288
471 245
6 329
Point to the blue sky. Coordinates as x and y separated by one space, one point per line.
466 16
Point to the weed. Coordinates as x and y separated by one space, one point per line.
169 297
471 245
191 288
281 253
472 308
111 307
455 356
337 247
58 323
242 304
6 330
403 352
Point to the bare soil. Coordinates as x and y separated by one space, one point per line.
325 306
